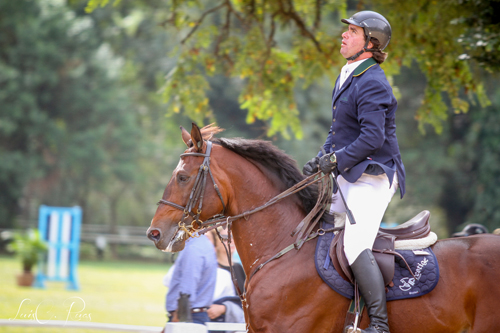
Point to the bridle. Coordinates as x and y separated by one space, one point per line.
196 195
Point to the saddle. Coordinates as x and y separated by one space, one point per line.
384 247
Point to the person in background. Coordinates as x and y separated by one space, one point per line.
471 229
226 308
194 273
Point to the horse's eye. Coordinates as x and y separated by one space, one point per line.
182 178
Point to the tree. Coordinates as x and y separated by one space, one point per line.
240 42
453 174
481 40
471 193
275 46
66 128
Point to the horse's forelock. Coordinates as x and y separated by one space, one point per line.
207 132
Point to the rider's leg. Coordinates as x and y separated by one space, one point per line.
368 199
371 286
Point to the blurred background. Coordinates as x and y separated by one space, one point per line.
92 94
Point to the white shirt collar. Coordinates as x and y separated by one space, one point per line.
347 70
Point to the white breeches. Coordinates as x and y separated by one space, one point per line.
367 199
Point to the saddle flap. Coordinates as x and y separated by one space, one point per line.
338 257
385 261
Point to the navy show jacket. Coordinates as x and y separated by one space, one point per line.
363 130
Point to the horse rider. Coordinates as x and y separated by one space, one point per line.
362 149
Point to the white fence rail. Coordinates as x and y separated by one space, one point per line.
169 328
123 234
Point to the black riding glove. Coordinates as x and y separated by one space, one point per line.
327 163
311 167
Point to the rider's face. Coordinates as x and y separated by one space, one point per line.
353 41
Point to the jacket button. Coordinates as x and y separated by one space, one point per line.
333 146
334 120
333 133
334 107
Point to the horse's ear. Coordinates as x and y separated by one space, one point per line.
196 137
186 137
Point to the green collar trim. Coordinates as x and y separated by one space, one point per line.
370 62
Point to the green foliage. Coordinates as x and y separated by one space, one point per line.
66 128
81 121
456 172
475 148
282 56
189 96
93 4
28 247
481 41
276 46
427 32
272 47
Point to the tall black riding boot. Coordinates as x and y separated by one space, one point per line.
372 288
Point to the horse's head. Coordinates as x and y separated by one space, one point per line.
191 194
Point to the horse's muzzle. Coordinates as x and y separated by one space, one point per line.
174 243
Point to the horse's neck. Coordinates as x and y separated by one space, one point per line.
267 232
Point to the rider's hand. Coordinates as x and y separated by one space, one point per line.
311 167
327 163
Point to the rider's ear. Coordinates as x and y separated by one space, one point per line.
196 137
186 137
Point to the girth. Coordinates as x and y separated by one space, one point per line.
383 248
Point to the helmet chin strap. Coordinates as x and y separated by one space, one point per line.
357 54
363 50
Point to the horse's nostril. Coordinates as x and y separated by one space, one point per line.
154 234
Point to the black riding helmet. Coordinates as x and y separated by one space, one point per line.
374 25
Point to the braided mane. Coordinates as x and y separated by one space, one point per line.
272 158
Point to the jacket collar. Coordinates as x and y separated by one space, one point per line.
370 62
363 67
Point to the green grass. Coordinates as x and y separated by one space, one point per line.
110 292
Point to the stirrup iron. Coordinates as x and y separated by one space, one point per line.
354 327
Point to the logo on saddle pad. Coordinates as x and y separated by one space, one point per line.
407 282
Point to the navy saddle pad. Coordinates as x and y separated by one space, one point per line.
423 264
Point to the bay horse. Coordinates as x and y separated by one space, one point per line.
287 295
